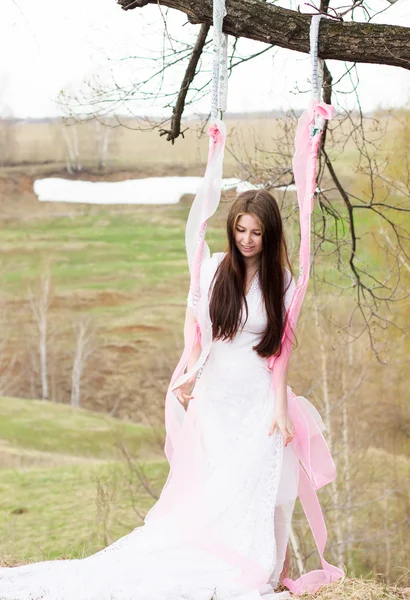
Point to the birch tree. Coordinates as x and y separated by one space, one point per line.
40 301
102 136
83 350
70 135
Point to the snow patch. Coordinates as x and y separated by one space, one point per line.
151 190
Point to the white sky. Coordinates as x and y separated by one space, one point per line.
48 45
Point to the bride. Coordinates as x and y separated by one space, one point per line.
221 527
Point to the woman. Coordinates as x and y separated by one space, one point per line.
220 528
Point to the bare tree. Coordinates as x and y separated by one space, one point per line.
347 34
40 301
357 42
70 135
83 350
265 22
102 136
346 462
294 542
330 436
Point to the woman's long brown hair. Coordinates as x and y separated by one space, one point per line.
228 293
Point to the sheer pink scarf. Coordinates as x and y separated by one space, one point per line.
316 464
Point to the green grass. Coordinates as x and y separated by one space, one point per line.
46 427
137 246
73 510
58 509
87 252
59 512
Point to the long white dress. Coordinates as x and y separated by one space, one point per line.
252 487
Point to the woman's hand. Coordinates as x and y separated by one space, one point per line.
284 422
184 392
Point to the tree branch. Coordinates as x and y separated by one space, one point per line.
178 109
252 19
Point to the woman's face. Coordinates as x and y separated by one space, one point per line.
248 236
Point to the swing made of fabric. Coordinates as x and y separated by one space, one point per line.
184 488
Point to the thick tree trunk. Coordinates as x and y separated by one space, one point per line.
256 20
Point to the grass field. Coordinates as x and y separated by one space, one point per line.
113 262
124 268
74 492
65 488
41 427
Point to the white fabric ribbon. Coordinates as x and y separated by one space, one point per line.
317 71
220 63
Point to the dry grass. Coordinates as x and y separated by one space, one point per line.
362 589
146 153
348 589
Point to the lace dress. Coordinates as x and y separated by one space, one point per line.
251 487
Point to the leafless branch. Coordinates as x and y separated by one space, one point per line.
175 130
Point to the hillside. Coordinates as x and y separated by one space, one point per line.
33 433
73 491
65 486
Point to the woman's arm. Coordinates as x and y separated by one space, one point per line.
281 400
184 392
281 418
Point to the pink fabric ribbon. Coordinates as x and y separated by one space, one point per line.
316 464
215 134
205 204
177 422
316 469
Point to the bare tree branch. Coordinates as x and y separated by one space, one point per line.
252 19
175 130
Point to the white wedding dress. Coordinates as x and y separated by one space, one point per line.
252 489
